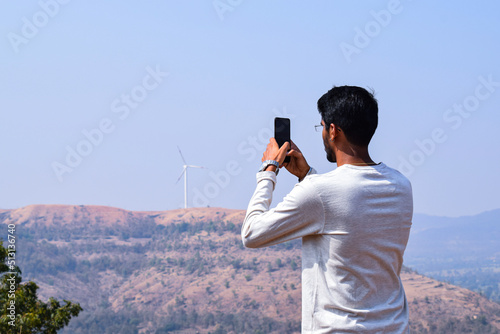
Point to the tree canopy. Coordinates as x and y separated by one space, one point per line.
21 312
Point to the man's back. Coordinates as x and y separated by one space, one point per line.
354 222
350 268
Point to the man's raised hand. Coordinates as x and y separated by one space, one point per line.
298 165
274 152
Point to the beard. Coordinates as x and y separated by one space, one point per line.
330 154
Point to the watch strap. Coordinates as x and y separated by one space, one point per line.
270 162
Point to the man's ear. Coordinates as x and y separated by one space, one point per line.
332 132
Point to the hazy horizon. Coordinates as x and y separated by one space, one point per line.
97 97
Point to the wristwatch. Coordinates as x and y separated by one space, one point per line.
270 162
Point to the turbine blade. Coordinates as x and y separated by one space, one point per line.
185 163
180 177
196 166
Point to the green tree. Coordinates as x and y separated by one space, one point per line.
21 312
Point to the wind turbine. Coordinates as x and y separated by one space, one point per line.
184 171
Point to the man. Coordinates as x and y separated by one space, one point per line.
354 222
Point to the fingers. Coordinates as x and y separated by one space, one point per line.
286 146
273 142
294 147
283 152
294 153
274 152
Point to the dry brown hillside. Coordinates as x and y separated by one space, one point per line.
186 270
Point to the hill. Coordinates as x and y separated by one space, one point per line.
463 250
186 271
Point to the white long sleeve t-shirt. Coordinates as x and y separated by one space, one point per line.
354 223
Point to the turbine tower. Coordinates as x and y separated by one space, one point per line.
184 172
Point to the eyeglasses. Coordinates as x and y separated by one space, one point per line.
319 128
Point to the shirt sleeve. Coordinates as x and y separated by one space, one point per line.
301 213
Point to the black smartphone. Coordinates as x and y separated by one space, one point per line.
282 132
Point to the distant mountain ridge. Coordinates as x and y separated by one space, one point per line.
442 235
424 221
97 214
186 270
463 250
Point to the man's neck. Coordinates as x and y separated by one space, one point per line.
354 155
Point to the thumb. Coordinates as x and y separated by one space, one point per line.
294 153
283 152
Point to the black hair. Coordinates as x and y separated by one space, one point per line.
353 109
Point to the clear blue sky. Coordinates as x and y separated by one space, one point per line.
140 78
